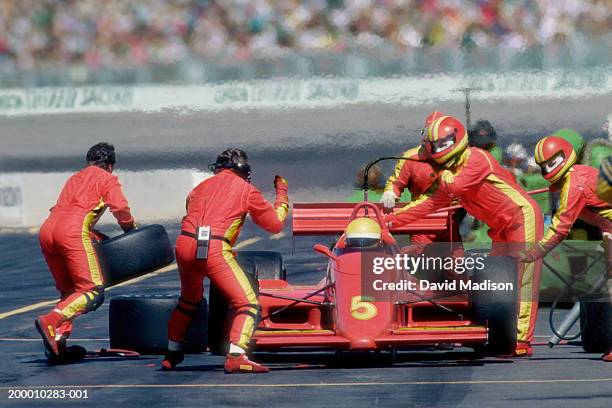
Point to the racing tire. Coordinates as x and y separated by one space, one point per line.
496 308
133 254
140 323
262 264
596 326
220 312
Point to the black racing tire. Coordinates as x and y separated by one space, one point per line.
262 264
497 308
596 326
140 323
220 312
134 254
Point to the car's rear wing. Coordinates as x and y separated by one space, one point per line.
332 218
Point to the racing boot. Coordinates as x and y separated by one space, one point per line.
172 359
47 326
523 350
68 354
241 364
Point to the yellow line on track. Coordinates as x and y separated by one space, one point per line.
278 236
317 385
168 268
247 242
28 308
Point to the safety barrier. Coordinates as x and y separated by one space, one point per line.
25 198
309 93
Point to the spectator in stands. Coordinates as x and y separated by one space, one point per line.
119 33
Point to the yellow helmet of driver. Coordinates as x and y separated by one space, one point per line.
363 232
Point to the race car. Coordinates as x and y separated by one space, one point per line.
341 312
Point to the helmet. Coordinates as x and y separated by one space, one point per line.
430 119
482 135
363 232
555 156
101 154
445 138
233 159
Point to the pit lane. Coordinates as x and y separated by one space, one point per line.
419 378
319 152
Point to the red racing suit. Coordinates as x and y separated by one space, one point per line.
66 243
489 193
419 176
578 199
222 202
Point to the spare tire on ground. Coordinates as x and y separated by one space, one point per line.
596 325
134 254
262 264
497 308
140 323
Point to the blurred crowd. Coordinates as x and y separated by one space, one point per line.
127 33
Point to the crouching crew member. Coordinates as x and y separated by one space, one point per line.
577 185
578 198
489 193
65 239
216 210
604 181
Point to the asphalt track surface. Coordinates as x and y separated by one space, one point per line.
319 152
419 378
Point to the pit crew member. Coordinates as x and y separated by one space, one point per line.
66 241
418 174
604 181
220 205
489 193
578 199
577 184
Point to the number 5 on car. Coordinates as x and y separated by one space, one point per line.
362 308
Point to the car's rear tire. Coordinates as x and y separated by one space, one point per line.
262 264
497 308
596 325
140 323
220 313
134 254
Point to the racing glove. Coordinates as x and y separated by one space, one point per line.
127 227
281 186
529 255
388 199
97 236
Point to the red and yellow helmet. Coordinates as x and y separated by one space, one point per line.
555 156
445 138
430 119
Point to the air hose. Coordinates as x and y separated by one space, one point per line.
574 314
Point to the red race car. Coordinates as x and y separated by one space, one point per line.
341 312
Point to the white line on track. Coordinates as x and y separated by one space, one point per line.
315 385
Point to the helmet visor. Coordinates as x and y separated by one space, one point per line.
553 163
442 144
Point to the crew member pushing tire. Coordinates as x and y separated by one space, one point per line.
216 210
66 242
